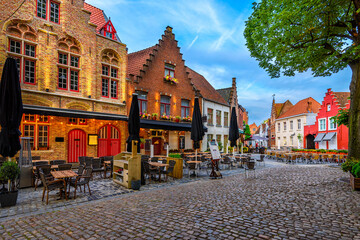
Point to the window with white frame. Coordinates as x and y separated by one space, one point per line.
68 68
322 124
332 124
299 124
185 108
165 105
284 126
328 107
142 99
278 127
48 10
291 125
24 52
109 84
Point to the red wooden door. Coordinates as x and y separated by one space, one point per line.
109 141
157 146
76 145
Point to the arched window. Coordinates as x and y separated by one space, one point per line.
110 74
22 47
68 64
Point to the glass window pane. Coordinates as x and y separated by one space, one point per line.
74 61
63 58
54 12
41 8
74 80
105 87
15 46
29 74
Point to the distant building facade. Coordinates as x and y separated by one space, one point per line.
290 124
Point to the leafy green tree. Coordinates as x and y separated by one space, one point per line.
247 132
342 118
287 37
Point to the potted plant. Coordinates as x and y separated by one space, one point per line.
154 116
355 176
177 119
9 172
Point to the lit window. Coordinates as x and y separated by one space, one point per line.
169 70
38 130
185 108
68 72
164 105
142 99
54 12
25 59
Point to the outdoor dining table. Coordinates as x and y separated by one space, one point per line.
65 174
158 165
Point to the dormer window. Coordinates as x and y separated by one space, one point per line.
109 31
328 107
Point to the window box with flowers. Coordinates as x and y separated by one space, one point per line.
145 115
177 119
165 117
154 116
170 80
186 119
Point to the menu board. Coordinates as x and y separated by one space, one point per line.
214 149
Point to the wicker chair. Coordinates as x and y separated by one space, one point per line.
63 167
82 180
82 160
46 170
51 185
149 171
97 166
88 161
169 170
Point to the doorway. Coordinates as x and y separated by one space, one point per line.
310 144
76 145
109 141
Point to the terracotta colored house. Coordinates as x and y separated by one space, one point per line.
165 90
325 134
72 70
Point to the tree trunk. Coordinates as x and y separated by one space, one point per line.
354 113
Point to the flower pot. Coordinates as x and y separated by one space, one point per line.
135 184
354 182
153 118
8 199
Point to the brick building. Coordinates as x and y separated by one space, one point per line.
159 75
324 133
72 69
276 110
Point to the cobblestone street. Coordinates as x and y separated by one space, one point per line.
283 202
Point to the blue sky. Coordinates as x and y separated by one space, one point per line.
210 34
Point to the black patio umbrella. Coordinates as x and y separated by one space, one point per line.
134 123
11 109
234 129
197 128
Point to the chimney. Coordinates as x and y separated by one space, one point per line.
309 108
234 82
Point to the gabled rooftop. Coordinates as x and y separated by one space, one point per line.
307 105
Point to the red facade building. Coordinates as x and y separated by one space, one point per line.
325 134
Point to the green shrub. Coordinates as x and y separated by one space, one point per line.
322 150
356 170
10 171
175 155
349 164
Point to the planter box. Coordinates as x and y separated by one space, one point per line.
354 182
8 199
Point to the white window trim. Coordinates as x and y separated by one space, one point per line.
329 120
320 124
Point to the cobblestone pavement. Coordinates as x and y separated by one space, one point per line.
29 200
284 202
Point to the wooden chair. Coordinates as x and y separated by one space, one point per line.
169 170
46 171
150 172
52 185
82 180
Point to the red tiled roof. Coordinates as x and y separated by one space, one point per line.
302 107
342 98
96 17
206 90
136 60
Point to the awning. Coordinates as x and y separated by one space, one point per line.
61 112
166 125
329 136
319 137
